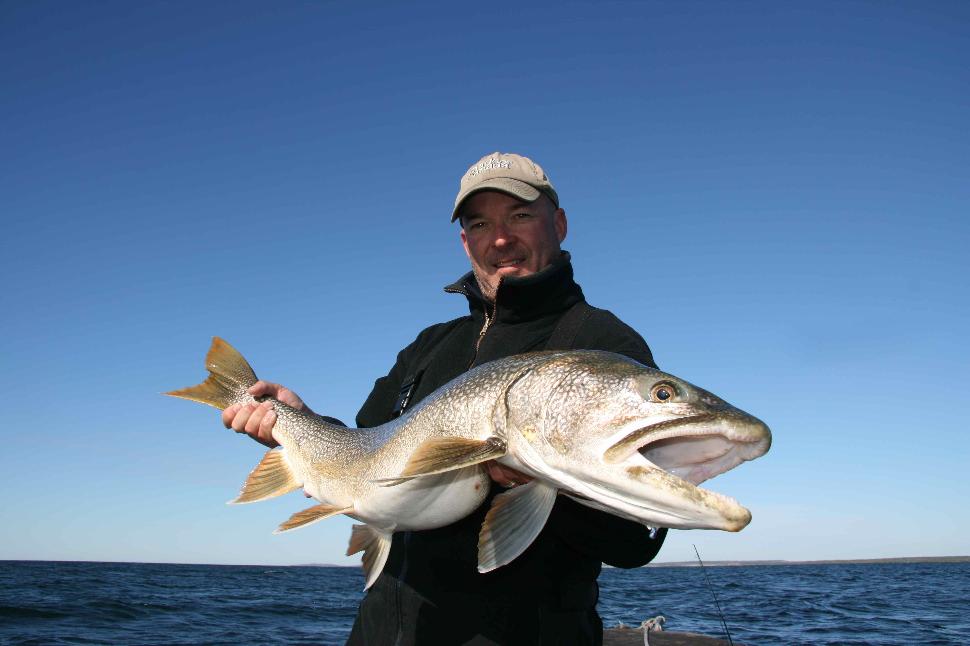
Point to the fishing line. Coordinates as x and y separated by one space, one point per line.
713 594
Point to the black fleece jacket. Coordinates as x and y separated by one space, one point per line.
430 591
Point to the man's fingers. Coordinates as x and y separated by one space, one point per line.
290 398
229 414
504 475
252 423
256 419
264 388
277 391
241 417
266 425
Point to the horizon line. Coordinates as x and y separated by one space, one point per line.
718 563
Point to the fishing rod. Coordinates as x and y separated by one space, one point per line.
713 594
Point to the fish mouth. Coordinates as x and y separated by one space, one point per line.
661 499
665 461
698 447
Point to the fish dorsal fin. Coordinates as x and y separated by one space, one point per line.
310 516
375 545
513 522
441 454
229 378
272 477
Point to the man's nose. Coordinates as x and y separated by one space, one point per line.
503 236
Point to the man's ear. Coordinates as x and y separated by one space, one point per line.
559 219
464 242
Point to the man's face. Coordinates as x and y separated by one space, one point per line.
506 237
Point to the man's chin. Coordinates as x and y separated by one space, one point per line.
489 284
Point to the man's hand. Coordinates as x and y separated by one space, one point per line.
504 475
257 420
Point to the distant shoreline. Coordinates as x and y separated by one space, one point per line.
899 559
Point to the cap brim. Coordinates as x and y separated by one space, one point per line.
514 187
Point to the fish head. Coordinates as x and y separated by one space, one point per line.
632 440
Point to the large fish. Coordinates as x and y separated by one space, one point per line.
596 426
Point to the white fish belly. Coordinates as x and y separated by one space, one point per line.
426 502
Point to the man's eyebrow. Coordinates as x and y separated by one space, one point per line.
475 215
522 204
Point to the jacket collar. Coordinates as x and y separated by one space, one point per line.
545 292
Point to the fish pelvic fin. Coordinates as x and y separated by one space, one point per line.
513 522
438 455
272 477
375 545
229 378
310 516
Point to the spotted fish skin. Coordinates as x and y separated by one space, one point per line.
597 426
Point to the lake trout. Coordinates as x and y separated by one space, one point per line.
596 426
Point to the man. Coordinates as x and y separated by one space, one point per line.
522 298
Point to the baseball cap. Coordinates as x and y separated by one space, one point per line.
509 173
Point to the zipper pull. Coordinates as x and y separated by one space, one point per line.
481 333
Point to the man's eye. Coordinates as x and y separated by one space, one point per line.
522 216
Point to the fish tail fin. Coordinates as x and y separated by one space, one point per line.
272 477
230 376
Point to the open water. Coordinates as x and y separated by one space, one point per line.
141 603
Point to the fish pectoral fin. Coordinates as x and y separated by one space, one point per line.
310 516
441 454
375 545
513 522
272 477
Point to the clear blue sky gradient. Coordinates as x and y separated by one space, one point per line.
774 194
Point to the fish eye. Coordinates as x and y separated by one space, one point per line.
662 393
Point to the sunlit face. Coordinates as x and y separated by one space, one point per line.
506 237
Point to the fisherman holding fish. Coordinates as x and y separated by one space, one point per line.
522 298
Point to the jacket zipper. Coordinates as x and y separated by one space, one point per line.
481 334
488 320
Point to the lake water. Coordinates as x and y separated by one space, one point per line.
140 603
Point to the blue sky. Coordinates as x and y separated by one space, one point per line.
774 194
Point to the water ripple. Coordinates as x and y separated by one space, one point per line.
188 605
